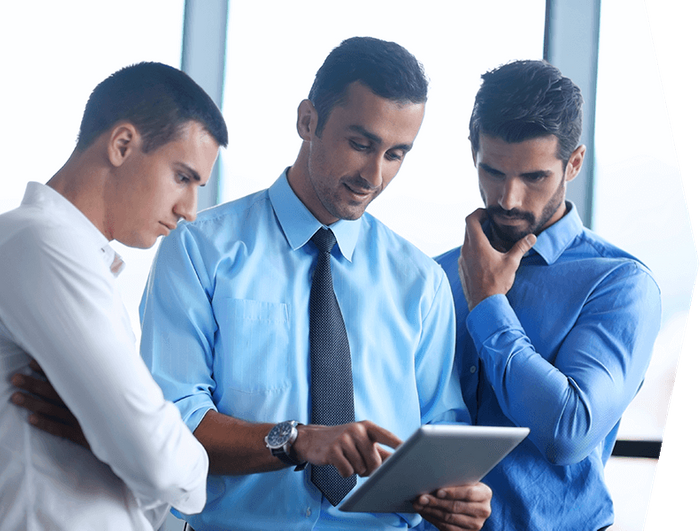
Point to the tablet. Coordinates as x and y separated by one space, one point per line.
435 456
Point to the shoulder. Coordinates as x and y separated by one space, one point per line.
398 253
234 220
448 259
226 214
43 254
610 257
30 233
603 272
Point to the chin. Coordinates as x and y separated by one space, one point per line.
510 235
140 243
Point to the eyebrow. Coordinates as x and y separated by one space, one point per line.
529 175
189 170
377 139
489 169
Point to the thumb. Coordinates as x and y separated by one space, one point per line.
522 246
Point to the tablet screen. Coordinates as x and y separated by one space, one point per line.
435 456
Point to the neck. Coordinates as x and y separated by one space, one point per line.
300 183
81 181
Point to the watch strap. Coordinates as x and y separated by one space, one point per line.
282 453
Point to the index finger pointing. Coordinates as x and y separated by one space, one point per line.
382 436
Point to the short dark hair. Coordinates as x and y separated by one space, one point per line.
155 98
528 99
386 68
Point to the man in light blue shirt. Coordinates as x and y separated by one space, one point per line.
560 341
225 314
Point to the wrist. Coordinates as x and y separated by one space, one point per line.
294 445
280 440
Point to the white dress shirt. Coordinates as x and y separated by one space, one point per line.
59 303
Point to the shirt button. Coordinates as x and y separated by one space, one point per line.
472 369
308 512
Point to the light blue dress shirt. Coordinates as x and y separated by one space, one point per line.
563 353
225 320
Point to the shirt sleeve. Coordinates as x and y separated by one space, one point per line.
436 376
178 326
570 405
67 314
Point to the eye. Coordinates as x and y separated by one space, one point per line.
535 177
395 155
359 147
491 173
182 178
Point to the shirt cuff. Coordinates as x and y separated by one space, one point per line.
491 316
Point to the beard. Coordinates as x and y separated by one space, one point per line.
506 236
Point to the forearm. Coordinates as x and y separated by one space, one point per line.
235 447
81 341
573 396
534 393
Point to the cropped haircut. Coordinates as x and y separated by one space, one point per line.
384 67
156 99
528 99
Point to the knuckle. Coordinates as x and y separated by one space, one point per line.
450 518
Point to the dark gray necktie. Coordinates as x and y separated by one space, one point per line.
332 400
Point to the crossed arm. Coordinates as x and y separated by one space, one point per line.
235 447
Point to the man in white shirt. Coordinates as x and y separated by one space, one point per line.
148 139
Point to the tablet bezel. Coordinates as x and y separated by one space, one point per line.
435 456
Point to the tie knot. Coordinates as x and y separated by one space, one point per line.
324 240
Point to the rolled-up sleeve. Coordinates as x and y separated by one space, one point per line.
178 327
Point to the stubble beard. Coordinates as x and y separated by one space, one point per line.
504 237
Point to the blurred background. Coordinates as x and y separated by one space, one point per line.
636 61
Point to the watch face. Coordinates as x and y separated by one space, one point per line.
279 435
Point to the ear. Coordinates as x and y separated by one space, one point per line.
573 167
124 139
307 119
474 153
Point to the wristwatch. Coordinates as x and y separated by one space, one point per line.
280 440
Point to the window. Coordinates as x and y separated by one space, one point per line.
639 205
56 53
272 58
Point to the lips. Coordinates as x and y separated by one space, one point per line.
360 193
168 227
509 217
509 220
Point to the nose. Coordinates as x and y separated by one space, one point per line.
372 172
511 194
186 208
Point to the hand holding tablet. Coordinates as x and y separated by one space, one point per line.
435 456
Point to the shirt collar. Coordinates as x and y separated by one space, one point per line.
113 260
554 240
299 224
42 196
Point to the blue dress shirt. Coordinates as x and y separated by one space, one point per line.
563 353
225 319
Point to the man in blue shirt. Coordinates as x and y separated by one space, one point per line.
560 340
225 314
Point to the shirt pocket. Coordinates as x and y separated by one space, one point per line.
254 351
